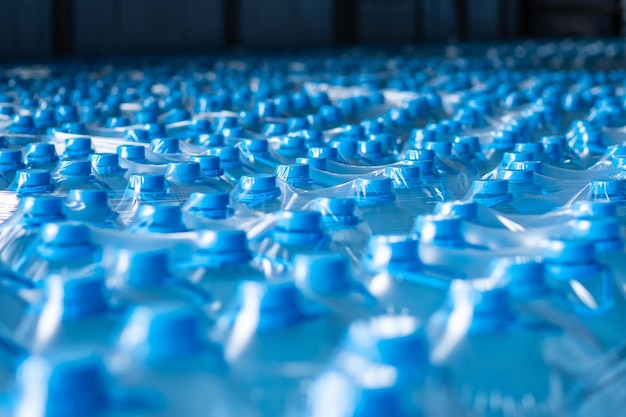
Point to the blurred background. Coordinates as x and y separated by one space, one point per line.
49 28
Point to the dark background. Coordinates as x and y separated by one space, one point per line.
49 28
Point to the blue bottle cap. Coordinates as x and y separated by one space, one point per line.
11 160
492 309
592 209
569 251
44 118
295 124
254 146
210 139
489 188
258 183
337 211
442 149
516 175
88 198
157 333
69 388
439 230
275 129
607 190
510 157
131 152
373 190
553 144
114 122
599 230
209 164
30 181
319 163
138 135
183 171
225 122
326 274
73 168
294 174
105 163
535 148
504 139
404 176
223 247
80 297
265 109
155 130
353 131
465 210
619 162
345 148
420 155
208 205
65 113
298 227
22 124
397 341
391 252
41 209
277 304
229 157
292 146
63 241
146 183
144 269
176 116
370 149
312 137
323 152
472 142
165 145
249 119
162 218
77 148
524 278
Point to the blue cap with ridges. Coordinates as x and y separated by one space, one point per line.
31 181
323 152
73 388
146 183
105 163
131 152
162 218
465 210
63 241
76 148
373 190
325 274
298 227
510 157
165 145
391 252
295 174
223 247
208 205
11 160
209 164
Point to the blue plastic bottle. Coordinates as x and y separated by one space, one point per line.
230 162
31 181
415 196
77 149
158 218
184 178
211 168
